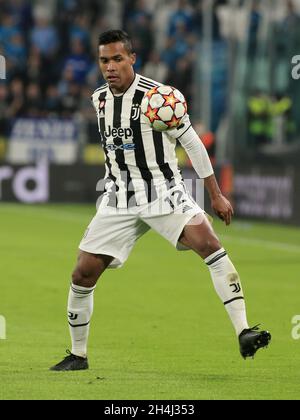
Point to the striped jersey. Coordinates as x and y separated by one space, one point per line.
140 163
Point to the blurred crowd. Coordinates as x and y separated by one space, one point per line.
51 50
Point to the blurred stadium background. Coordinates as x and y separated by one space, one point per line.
234 61
231 58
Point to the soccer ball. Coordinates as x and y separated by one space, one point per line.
163 108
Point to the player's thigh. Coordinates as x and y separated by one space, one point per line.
171 212
114 233
199 236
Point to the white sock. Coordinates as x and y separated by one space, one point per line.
228 286
80 310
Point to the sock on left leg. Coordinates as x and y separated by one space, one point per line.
80 310
228 286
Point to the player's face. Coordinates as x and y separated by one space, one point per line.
116 66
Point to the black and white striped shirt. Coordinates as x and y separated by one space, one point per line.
140 163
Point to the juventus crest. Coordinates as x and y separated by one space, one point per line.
135 112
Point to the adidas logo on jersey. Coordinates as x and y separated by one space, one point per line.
118 132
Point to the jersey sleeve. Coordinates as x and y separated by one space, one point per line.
194 147
175 133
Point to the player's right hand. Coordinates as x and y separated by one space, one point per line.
223 209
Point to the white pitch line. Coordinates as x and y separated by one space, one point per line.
278 246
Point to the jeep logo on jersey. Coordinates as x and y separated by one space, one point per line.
118 132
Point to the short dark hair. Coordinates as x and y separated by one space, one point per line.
116 35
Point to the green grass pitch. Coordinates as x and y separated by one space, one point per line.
159 331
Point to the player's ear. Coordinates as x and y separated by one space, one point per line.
133 58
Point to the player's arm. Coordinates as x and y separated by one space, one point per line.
219 203
198 155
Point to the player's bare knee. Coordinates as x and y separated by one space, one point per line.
83 278
89 269
86 276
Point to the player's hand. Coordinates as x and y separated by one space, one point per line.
222 208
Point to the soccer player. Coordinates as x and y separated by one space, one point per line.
143 189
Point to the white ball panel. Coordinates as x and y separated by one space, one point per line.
156 101
165 113
179 95
165 90
144 104
179 110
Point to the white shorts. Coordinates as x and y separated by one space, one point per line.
115 231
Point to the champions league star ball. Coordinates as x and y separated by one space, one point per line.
163 108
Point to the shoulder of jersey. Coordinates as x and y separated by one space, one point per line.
100 90
146 84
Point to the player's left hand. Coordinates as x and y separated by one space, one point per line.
222 208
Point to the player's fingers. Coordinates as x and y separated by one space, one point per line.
230 210
228 216
227 219
222 216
